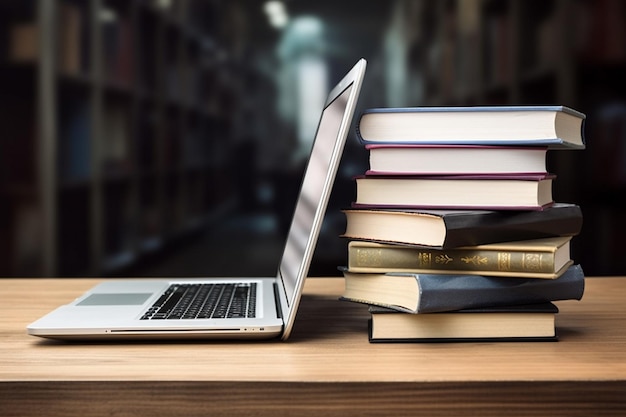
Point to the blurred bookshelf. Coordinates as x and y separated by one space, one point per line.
113 130
561 52
122 121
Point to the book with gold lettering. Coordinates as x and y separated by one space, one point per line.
538 258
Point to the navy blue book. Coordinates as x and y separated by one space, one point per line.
557 127
434 293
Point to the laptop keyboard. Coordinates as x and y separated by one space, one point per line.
204 301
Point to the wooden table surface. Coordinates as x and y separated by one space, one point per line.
326 367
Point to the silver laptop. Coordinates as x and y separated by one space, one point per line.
222 307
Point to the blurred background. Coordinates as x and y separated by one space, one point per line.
166 137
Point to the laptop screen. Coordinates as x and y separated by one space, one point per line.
303 231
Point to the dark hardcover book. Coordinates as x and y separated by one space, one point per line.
486 192
432 293
445 229
455 159
522 323
557 127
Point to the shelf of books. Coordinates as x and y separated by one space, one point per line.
109 124
556 52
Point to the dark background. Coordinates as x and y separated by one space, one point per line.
163 138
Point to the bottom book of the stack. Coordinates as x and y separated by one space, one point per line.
408 307
532 322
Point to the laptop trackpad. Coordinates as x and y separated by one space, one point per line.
115 299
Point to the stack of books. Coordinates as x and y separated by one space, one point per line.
454 233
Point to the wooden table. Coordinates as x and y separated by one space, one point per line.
327 367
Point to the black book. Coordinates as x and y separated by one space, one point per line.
533 322
446 229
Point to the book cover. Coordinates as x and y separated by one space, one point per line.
455 160
557 127
537 258
432 293
445 229
499 192
533 322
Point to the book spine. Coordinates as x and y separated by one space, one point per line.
357 131
457 292
409 259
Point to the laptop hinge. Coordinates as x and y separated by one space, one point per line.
279 311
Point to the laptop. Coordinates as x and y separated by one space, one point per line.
231 308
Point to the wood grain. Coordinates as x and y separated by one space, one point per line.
215 399
327 367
